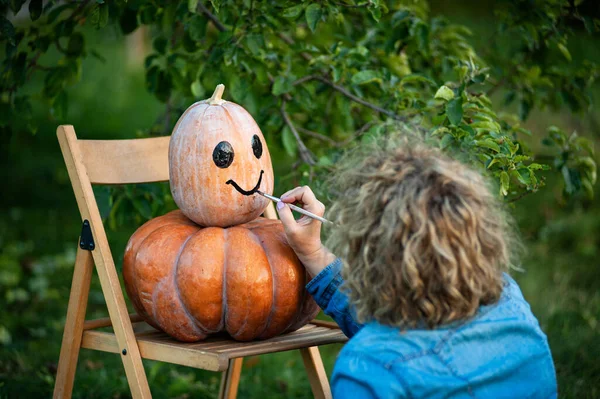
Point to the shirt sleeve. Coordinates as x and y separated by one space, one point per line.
358 376
325 289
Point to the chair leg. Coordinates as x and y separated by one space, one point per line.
71 343
316 372
231 379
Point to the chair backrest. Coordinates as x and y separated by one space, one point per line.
126 161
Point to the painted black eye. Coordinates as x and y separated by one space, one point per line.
256 146
223 154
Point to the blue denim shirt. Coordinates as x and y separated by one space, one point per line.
499 353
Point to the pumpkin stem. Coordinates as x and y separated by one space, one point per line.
216 99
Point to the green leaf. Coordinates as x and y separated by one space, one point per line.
537 166
324 161
76 43
293 12
5 337
143 207
445 93
504 183
488 143
197 28
447 140
524 109
565 51
128 21
59 106
523 176
569 187
7 29
454 110
289 141
197 89
415 78
281 85
99 15
160 45
337 73
192 5
364 77
35 9
15 5
313 15
164 85
255 43
216 4
479 78
439 131
102 194
375 11
147 14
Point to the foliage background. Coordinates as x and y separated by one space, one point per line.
83 66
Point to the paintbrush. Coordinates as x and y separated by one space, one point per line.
294 207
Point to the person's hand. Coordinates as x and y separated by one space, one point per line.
304 234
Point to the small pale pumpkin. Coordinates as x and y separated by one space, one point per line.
191 281
218 159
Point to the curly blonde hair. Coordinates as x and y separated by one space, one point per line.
424 242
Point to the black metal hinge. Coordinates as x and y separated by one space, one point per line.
86 240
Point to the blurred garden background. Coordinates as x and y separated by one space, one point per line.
502 84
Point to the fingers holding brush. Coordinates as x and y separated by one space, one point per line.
306 197
304 235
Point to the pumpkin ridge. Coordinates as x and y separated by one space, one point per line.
273 282
137 278
299 308
196 181
176 287
224 283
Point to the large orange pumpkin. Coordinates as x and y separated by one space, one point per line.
191 281
218 159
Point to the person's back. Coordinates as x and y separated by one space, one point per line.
421 284
500 353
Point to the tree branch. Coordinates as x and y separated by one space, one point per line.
337 3
331 141
518 197
359 100
201 8
291 42
318 136
304 79
305 153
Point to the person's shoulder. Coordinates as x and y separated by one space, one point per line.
387 344
511 304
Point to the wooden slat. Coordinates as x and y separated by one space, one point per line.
126 161
105 322
312 339
69 350
280 338
107 272
168 351
231 379
324 323
316 373
225 342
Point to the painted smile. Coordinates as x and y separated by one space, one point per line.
241 190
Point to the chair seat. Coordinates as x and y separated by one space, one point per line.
213 353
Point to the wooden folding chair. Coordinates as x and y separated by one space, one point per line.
143 161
